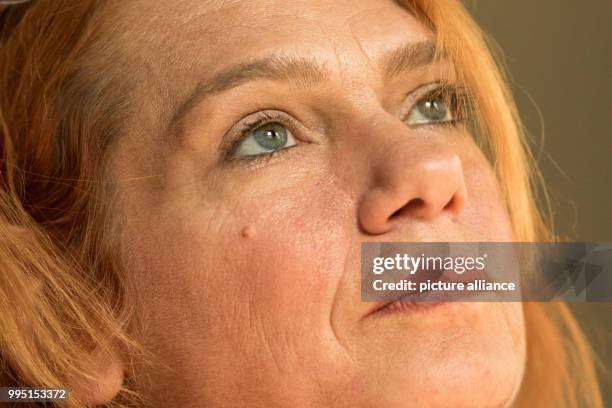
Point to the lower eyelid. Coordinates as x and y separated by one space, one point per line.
451 123
260 159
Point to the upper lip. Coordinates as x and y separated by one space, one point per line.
420 276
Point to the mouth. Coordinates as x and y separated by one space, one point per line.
442 290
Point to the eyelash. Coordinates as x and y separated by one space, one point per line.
456 95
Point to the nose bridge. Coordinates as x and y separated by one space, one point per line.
411 176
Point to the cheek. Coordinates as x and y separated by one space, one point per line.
485 212
215 268
288 251
247 282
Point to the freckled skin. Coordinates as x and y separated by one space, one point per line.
247 277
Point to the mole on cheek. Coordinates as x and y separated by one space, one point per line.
247 232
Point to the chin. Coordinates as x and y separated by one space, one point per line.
468 354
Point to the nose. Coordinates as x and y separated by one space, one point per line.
421 179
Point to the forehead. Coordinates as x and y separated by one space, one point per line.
178 44
219 32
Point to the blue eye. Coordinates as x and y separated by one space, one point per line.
431 109
264 139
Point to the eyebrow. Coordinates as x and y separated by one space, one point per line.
305 72
408 57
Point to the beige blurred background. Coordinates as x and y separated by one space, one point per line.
559 56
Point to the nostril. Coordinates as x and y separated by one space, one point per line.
409 207
451 203
414 204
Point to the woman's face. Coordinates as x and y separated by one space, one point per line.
270 139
